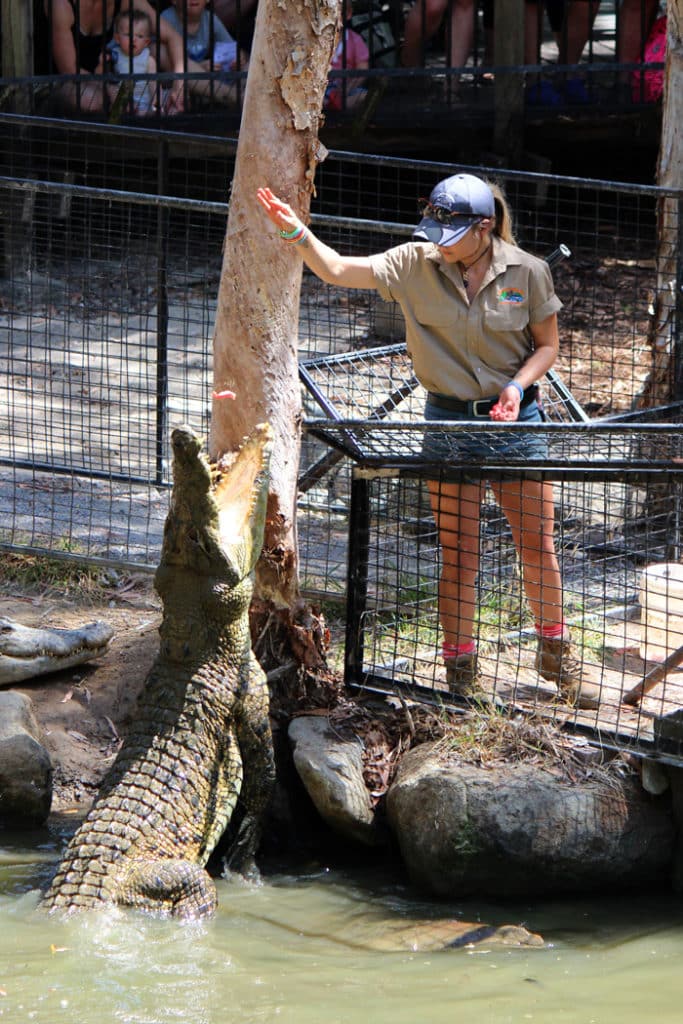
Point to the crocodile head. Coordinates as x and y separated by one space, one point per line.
213 535
26 652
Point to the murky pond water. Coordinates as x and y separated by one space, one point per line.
291 950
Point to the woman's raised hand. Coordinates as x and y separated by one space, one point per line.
281 214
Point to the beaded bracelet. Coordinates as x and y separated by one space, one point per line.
516 384
290 235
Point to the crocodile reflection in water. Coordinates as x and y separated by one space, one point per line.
200 739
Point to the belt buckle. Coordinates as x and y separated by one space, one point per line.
478 402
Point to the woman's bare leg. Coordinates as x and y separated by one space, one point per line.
457 509
529 508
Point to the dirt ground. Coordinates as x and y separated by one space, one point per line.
83 710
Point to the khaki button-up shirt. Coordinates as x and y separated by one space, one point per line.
466 349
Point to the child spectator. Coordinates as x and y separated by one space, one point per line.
207 40
351 54
131 55
79 32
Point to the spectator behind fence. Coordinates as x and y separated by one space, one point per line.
481 329
635 20
208 47
573 32
648 86
571 22
79 33
423 22
239 17
130 55
351 54
203 33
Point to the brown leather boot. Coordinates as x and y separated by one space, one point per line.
555 662
462 675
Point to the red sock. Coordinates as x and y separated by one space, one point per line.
453 650
552 630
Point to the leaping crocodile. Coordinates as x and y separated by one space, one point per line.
26 652
200 740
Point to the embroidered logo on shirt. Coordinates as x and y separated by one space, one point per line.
511 295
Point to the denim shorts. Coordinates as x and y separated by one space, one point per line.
467 447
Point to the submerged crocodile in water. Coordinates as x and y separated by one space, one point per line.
200 739
26 651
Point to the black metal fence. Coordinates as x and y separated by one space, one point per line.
617 490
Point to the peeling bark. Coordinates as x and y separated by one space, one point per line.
659 387
255 338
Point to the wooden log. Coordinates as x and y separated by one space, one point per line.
656 675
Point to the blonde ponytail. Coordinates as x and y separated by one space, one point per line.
503 226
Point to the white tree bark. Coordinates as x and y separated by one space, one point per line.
256 330
658 390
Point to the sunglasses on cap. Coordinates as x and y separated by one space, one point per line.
442 215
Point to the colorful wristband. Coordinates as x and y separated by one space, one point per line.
298 237
302 238
289 235
516 384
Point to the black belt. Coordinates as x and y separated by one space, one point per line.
479 406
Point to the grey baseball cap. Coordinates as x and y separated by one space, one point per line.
454 205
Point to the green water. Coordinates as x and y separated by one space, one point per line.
283 951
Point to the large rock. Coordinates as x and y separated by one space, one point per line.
519 830
331 769
25 765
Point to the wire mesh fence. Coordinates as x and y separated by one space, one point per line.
112 247
618 544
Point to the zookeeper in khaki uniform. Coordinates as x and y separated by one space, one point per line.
481 330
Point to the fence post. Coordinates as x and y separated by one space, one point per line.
17 47
357 578
162 315
678 309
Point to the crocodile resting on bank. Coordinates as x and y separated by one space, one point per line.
26 651
200 739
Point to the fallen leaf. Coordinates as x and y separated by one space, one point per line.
78 735
112 727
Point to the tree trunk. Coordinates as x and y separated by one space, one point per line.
256 331
17 45
665 330
508 121
661 504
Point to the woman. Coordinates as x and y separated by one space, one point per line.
80 31
481 329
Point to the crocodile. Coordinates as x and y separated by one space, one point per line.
26 651
199 753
